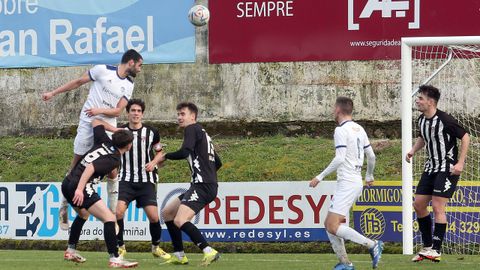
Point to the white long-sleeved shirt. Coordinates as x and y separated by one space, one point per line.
351 144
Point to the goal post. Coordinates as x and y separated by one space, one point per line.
440 61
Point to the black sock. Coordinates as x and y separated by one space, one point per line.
121 228
110 238
155 232
438 234
176 235
425 226
194 234
75 232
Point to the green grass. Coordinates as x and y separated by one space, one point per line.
275 158
53 260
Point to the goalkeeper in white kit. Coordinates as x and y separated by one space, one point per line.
351 145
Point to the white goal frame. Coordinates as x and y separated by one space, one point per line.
407 114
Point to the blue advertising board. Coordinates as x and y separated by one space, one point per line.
378 213
44 33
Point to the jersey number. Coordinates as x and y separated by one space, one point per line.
95 154
210 149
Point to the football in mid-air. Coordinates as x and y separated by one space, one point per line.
199 15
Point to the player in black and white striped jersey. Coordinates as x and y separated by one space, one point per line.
438 132
138 176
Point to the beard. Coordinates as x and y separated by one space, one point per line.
131 72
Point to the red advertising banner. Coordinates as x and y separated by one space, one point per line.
312 30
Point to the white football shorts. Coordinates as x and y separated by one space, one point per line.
84 139
346 193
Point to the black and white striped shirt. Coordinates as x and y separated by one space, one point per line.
440 135
142 152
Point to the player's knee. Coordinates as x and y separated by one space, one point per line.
438 208
83 215
331 226
419 207
167 215
179 222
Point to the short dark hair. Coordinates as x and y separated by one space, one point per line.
190 106
122 138
430 91
131 55
135 101
345 104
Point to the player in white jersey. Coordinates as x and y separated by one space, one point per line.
351 145
108 96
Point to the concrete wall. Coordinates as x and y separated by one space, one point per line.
256 95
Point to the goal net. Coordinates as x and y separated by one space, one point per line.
454 68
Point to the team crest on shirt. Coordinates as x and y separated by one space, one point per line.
144 138
122 89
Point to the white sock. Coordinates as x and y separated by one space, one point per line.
207 250
112 193
338 246
179 254
348 233
154 247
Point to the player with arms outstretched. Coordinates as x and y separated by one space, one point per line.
438 131
204 162
109 93
351 145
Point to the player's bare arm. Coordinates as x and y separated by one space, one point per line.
108 127
87 173
458 168
71 85
159 157
110 112
419 144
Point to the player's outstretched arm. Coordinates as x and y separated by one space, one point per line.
71 85
110 112
419 144
370 165
340 154
107 126
458 168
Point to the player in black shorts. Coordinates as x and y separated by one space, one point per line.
138 176
438 131
204 162
79 188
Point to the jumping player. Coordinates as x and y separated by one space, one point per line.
109 93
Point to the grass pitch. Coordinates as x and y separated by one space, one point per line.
53 260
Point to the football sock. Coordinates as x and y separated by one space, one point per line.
425 226
338 247
110 238
438 235
75 231
175 235
348 233
194 235
121 228
155 232
112 190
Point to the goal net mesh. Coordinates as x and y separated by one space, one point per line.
459 84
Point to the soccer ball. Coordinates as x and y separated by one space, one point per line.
199 15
